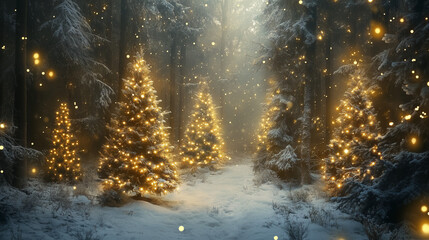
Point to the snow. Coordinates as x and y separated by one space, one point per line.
225 204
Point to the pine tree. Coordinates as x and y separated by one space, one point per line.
63 162
136 157
203 143
354 153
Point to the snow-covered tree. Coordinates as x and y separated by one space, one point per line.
63 163
136 157
72 46
291 55
203 143
353 150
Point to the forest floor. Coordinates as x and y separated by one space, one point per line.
224 204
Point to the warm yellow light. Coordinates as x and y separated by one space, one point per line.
300 2
408 117
425 228
346 151
181 228
1 147
36 62
401 20
276 238
370 1
390 123
33 170
424 208
36 55
213 43
51 74
2 125
377 30
413 140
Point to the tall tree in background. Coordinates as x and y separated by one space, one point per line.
21 88
292 26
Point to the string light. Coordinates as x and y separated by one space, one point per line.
137 155
203 143
62 162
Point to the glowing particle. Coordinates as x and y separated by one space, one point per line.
414 141
33 170
51 74
300 2
346 151
181 228
401 20
408 117
391 124
411 31
377 30
1 171
128 56
36 55
74 187
424 208
425 228
276 238
2 125
36 62
1 147
370 1
213 43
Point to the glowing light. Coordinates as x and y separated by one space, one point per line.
36 62
425 228
401 20
33 170
2 125
1 171
51 74
1 147
408 117
346 151
413 140
391 123
181 228
411 31
213 43
300 2
36 55
370 1
276 238
128 56
377 30
424 208
74 187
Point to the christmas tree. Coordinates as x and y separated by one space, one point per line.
136 157
203 143
354 153
63 163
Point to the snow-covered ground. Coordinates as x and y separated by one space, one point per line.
225 204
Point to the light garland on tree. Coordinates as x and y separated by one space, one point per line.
353 147
62 161
136 157
203 142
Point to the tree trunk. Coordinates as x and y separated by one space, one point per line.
173 89
20 168
181 94
122 46
308 99
222 75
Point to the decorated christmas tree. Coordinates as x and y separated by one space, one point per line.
136 157
203 143
62 161
354 154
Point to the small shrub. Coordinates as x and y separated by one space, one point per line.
373 230
322 217
59 199
112 198
90 234
299 196
282 210
296 230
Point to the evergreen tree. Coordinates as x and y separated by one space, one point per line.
203 143
62 162
136 157
353 150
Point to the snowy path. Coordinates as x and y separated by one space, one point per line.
218 205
